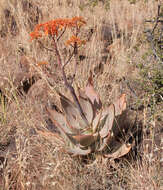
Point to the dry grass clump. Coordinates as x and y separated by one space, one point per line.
121 60
145 177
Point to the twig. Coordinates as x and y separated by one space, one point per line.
61 34
69 59
154 21
76 59
150 35
158 16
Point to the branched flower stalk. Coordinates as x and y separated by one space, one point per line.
55 30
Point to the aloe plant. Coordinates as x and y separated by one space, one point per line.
95 132
84 126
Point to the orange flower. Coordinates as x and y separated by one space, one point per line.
54 26
75 39
79 21
42 63
35 35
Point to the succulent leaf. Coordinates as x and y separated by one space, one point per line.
96 121
63 132
105 142
72 113
87 107
121 151
92 94
106 121
86 140
59 118
120 105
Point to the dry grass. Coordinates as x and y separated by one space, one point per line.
113 52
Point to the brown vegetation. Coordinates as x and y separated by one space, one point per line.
122 60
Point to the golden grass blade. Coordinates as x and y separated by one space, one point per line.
51 136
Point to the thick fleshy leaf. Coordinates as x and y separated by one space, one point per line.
85 140
92 94
106 122
87 107
96 121
105 142
63 132
60 118
121 151
120 105
72 113
78 151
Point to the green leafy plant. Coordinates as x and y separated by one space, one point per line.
84 125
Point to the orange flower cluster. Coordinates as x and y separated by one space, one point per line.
52 27
75 39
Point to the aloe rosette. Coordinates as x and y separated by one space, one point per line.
94 133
